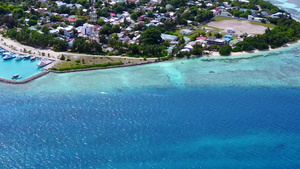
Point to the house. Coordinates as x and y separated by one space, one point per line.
168 37
68 31
186 32
245 10
153 2
233 42
226 14
212 41
186 39
112 14
169 6
72 19
215 11
252 18
278 14
42 10
201 38
87 29
170 49
228 38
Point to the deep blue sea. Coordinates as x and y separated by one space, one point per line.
211 127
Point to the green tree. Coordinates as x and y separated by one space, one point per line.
32 22
151 36
100 21
225 50
116 29
197 50
79 22
18 13
106 29
134 49
218 35
45 30
134 16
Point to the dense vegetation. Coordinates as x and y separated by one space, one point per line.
79 66
287 30
36 39
84 45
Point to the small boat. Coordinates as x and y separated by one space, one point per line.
27 57
7 57
296 55
33 58
18 57
6 53
44 62
16 76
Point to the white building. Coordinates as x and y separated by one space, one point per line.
87 29
68 31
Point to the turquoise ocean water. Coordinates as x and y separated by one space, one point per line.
292 6
240 113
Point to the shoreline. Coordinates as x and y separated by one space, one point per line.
213 55
256 51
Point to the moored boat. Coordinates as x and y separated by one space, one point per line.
33 58
16 76
18 57
296 55
44 62
7 57
27 57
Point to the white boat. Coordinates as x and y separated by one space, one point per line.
6 53
33 58
7 57
18 57
44 62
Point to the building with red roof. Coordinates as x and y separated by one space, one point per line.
201 38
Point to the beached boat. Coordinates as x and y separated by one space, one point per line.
10 56
33 58
16 76
44 62
27 57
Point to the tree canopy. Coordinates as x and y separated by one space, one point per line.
151 36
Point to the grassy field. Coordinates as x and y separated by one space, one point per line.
89 60
263 24
221 18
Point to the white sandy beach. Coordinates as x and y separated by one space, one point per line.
16 47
